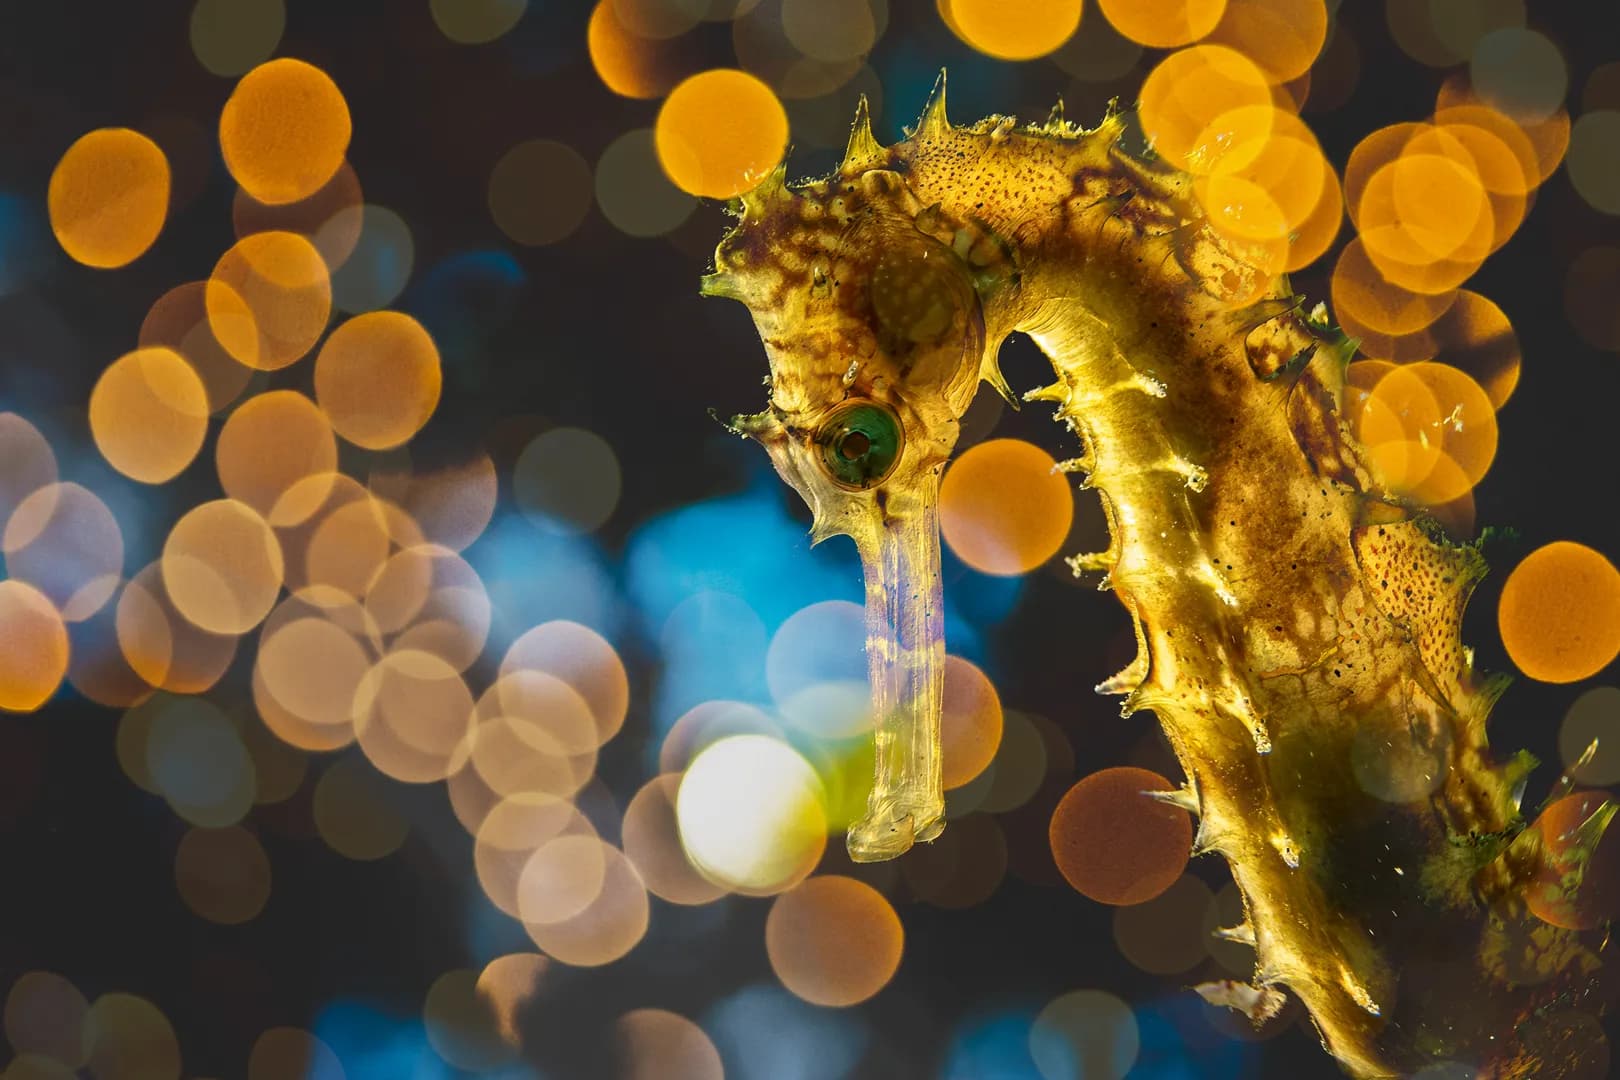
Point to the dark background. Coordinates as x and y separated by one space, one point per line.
606 332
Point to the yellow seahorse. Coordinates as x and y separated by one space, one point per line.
1293 619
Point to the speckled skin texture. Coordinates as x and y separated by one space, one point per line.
1298 627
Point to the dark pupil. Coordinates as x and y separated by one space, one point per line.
860 444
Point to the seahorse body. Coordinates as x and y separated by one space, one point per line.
1298 628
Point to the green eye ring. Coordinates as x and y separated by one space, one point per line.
860 444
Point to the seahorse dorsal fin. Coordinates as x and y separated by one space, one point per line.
1054 120
767 191
933 123
863 151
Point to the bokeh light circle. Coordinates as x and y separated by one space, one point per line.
377 378
1004 506
1014 29
33 648
284 130
109 197
1115 844
720 132
751 814
1559 614
149 414
833 941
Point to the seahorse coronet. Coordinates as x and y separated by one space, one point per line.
1298 626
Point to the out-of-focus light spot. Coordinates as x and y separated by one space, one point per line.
1097 53
378 380
719 133
26 463
1163 24
1576 884
608 927
431 600
1283 36
311 668
652 841
64 541
836 31
534 733
222 567
462 1026
452 505
1594 162
1116 844
633 192
567 480
343 554
44 1015
511 831
128 1038
475 22
627 63
970 722
276 454
269 299
961 869
1549 136
1559 614
1013 29
536 166
823 642
108 197
1085 1035
655 1044
284 130
1520 72
508 983
178 320
707 723
833 940
1165 936
1190 98
283 1052
278 767
1476 337
759 38
1004 507
583 659
149 414
1593 717
412 712
355 813
765 1033
658 19
197 762
223 874
751 814
230 37
1402 769
1590 286
561 878
816 669
330 218
1019 766
33 648
380 266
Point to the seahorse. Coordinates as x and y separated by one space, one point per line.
1294 619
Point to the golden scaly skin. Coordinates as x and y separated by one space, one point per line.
1298 630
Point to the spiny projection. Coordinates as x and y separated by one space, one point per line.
1298 627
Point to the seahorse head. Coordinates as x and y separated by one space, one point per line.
874 328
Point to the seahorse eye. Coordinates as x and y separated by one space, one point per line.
860 444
